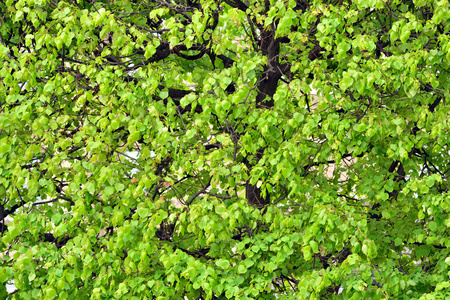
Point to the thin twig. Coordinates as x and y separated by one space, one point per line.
189 202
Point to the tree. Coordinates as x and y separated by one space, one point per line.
221 149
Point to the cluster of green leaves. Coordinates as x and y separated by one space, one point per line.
225 149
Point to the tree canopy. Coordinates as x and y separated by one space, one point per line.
225 149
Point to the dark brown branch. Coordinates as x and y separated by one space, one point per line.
59 242
237 4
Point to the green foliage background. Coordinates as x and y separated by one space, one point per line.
245 185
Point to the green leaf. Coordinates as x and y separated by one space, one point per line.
142 211
430 181
70 277
241 269
298 117
314 246
50 293
365 249
404 36
442 285
191 133
134 137
150 50
164 94
4 148
225 264
432 225
109 190
345 83
119 187
185 101
90 187
307 252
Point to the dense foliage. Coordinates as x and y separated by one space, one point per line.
214 149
